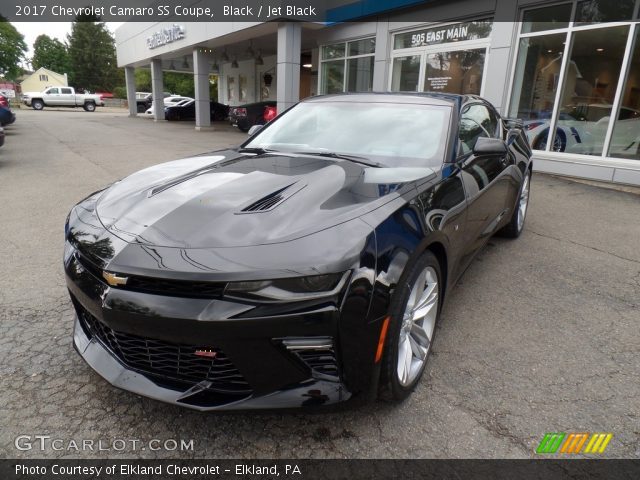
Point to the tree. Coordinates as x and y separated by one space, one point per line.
50 53
12 50
92 55
143 79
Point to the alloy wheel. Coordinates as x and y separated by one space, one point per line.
523 202
418 325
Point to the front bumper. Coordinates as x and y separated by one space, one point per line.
144 343
310 393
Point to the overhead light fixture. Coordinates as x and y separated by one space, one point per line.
234 64
549 51
250 51
599 49
307 65
259 60
214 66
185 64
172 66
225 56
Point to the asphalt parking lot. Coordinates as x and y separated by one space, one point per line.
541 335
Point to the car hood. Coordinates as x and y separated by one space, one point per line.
229 199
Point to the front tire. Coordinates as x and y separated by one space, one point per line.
415 310
514 228
37 104
559 141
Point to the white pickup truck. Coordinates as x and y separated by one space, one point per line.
61 97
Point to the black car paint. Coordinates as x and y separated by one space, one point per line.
336 222
217 111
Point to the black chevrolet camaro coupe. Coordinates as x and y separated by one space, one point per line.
306 267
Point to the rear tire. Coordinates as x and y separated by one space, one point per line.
514 228
89 107
37 104
414 313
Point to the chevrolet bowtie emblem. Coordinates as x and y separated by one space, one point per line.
114 279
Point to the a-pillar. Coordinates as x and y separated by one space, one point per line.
288 70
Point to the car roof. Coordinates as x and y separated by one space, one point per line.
426 98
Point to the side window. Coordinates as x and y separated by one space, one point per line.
484 117
66 91
469 132
53 91
476 121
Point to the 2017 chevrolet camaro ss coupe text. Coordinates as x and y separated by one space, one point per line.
306 267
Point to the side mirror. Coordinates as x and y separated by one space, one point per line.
512 135
490 146
255 129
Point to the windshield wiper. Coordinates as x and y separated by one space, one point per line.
258 150
344 156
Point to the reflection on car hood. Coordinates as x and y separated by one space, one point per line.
228 199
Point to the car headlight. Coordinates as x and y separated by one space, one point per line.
289 289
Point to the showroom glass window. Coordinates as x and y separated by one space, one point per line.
347 66
576 83
447 58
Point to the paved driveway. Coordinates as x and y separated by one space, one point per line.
541 335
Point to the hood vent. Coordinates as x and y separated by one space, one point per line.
271 201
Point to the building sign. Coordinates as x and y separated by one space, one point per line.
438 83
165 36
450 33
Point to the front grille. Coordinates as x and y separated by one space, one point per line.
175 288
167 361
159 286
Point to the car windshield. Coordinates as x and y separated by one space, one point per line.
393 135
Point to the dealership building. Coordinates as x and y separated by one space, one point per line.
570 69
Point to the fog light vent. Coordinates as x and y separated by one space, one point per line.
317 353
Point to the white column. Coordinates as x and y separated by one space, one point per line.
130 81
157 89
203 97
288 68
495 84
381 58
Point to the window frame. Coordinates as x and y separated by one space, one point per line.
345 59
569 32
423 51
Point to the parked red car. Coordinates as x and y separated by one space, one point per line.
246 116
104 95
